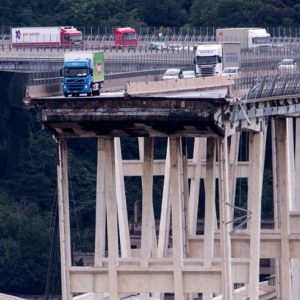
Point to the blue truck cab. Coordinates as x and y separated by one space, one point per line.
83 73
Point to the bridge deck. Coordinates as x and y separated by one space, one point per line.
138 116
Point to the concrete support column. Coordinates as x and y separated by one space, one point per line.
210 208
227 283
147 205
199 150
283 200
165 215
100 228
143 148
64 218
295 205
111 205
275 201
233 161
121 202
177 204
183 158
100 207
256 168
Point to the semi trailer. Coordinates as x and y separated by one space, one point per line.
48 37
247 37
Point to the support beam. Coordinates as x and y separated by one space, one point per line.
283 200
165 215
111 205
100 207
296 207
100 228
199 150
256 159
233 164
275 202
64 218
210 208
227 283
121 202
147 205
152 225
177 232
294 163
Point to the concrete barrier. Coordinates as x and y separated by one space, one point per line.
178 85
47 90
55 89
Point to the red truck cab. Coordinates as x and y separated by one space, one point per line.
71 37
125 37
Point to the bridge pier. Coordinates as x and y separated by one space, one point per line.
175 258
256 169
64 218
295 208
284 199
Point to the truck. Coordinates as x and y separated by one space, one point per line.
48 37
82 73
211 59
125 37
247 37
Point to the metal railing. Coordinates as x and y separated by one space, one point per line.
277 85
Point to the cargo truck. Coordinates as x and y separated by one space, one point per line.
125 37
211 59
48 37
83 73
248 37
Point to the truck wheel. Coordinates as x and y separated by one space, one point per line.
89 94
66 94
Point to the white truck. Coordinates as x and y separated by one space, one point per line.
48 37
211 59
247 37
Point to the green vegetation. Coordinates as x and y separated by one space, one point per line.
167 13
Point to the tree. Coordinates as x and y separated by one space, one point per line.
164 13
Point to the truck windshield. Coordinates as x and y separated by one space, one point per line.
76 38
206 60
261 40
75 72
129 36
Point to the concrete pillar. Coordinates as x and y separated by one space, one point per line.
295 205
152 226
185 193
199 150
147 204
111 205
227 283
100 207
210 208
164 225
177 232
121 202
283 200
100 228
275 202
64 218
233 161
256 168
